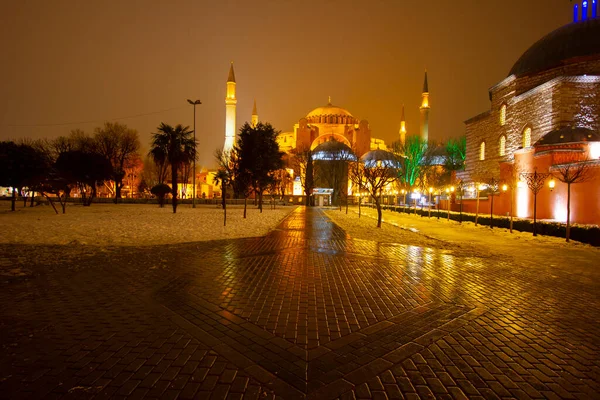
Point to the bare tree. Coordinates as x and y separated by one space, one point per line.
492 189
356 174
572 171
379 174
302 163
119 144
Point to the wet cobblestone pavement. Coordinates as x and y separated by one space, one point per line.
305 312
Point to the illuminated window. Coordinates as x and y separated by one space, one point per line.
502 146
527 137
503 115
482 151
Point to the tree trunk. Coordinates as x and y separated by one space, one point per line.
224 192
260 201
477 209
379 213
359 201
535 214
63 202
51 202
13 201
492 212
512 202
174 187
118 187
32 198
245 206
568 233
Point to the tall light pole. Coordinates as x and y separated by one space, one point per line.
194 103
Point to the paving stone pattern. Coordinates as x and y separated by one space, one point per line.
306 312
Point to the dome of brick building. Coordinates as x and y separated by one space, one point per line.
571 43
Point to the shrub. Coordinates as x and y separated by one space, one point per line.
161 191
589 234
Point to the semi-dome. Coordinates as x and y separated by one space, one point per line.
380 157
571 43
332 150
568 135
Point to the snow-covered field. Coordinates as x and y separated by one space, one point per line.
133 224
465 238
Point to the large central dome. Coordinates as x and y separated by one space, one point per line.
571 43
329 109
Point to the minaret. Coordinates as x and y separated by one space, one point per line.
425 111
402 128
230 105
254 115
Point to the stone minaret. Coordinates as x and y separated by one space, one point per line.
402 128
425 111
230 105
254 115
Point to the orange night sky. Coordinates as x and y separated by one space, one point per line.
74 64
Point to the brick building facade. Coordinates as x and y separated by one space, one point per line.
554 87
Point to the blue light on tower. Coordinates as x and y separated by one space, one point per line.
575 12
594 8
584 7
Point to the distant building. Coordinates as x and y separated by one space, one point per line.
543 115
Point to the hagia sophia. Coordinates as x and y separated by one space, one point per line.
543 116
323 124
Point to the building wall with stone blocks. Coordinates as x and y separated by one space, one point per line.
561 102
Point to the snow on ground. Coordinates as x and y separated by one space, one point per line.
465 238
133 224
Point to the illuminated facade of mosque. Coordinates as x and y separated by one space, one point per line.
321 125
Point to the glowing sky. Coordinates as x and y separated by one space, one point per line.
66 63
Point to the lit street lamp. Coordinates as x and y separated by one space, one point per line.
194 103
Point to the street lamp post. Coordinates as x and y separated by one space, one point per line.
478 187
449 192
438 203
194 103
404 193
430 191
460 188
416 197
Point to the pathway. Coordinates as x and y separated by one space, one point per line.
305 312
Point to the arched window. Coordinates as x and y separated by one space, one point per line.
482 151
502 146
503 115
527 137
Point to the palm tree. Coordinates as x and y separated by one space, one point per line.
177 145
